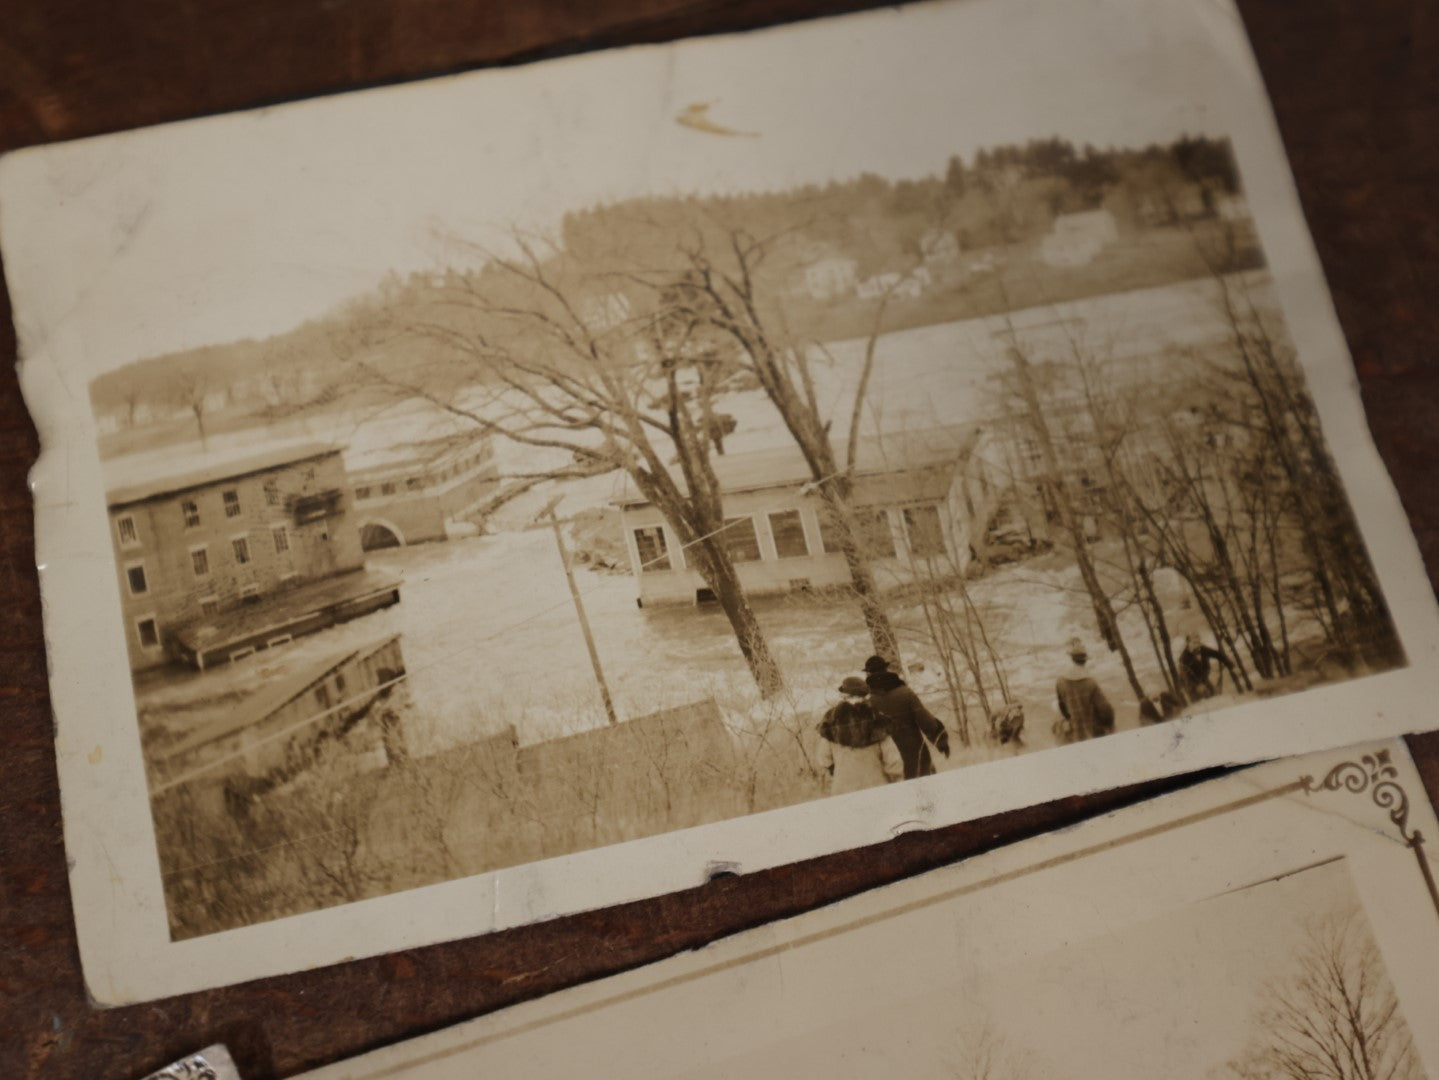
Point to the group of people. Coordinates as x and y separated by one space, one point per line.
880 731
1085 712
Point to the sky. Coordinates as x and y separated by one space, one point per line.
214 230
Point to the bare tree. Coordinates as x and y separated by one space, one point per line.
521 357
1059 483
1335 1016
977 1051
723 284
191 390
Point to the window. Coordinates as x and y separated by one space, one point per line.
322 696
149 631
871 533
363 491
191 510
413 483
232 503
923 531
340 683
281 536
125 529
250 594
876 540
200 560
241 546
788 530
650 544
210 605
741 539
387 488
135 576
272 492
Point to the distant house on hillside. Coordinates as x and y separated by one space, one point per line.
831 277
908 286
1233 208
872 288
919 497
419 491
1176 203
1075 239
939 247
233 556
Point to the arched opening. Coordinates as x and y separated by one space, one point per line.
377 535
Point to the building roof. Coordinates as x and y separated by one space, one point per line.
875 455
272 697
162 481
278 611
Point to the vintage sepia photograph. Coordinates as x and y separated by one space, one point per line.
466 476
1279 981
1263 926
705 505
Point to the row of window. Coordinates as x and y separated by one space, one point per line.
129 535
418 483
139 582
924 535
389 487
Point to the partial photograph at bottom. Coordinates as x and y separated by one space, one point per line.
1278 981
1274 924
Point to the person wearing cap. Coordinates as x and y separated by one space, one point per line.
1086 711
855 748
911 725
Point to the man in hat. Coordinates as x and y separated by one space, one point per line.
910 723
1086 711
855 747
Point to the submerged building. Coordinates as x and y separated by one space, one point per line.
922 500
411 491
237 555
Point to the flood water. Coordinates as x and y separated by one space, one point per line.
490 632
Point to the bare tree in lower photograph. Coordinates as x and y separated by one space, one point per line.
1335 1016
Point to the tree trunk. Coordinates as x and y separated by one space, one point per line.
1108 624
715 566
836 494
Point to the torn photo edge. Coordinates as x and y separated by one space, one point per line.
1363 808
125 943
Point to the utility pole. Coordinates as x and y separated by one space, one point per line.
549 512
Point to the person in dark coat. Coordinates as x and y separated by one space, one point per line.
1195 666
1086 711
910 723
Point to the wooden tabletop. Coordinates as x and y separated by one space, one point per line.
1356 90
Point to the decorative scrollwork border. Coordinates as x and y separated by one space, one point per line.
1376 774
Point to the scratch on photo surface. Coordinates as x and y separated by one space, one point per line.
1276 877
696 116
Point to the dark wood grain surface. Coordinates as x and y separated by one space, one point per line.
1356 90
